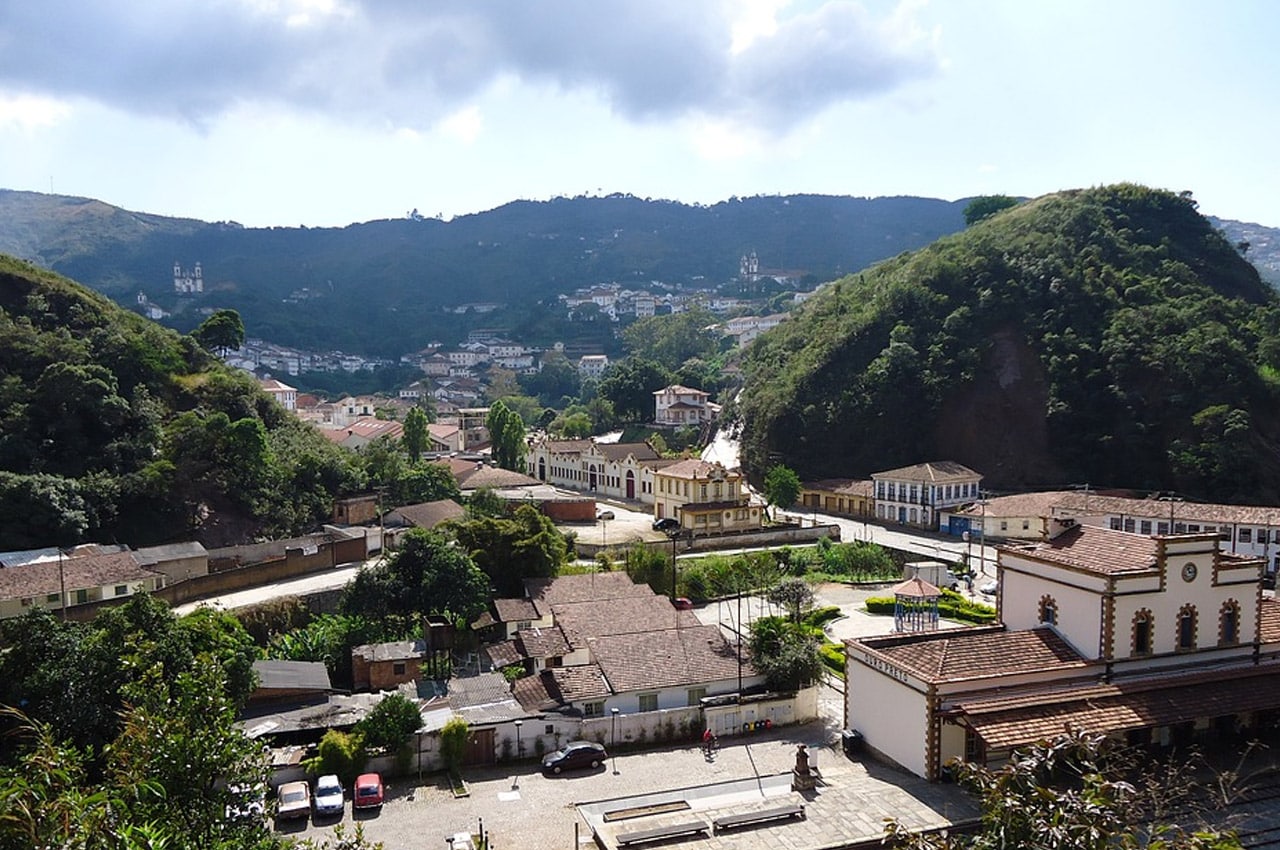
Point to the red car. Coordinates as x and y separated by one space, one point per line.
368 791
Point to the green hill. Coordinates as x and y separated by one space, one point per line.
400 275
1109 336
113 428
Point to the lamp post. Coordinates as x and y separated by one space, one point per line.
613 737
519 744
674 535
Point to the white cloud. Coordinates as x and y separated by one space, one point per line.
27 112
464 125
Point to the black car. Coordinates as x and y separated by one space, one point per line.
575 756
668 523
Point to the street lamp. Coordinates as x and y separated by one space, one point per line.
613 737
674 535
519 745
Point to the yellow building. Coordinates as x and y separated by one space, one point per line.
704 497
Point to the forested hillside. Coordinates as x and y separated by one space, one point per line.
1109 336
113 428
398 275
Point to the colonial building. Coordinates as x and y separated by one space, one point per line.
705 497
617 470
1153 640
913 495
843 496
285 395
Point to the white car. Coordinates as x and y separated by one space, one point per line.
989 588
329 800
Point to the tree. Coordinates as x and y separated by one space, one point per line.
341 753
453 742
795 595
388 726
427 576
221 332
1058 794
672 340
630 384
785 653
986 206
509 550
781 487
506 435
415 433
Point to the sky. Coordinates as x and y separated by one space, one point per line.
328 112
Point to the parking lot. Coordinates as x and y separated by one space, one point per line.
524 810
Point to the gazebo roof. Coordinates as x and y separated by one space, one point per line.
916 588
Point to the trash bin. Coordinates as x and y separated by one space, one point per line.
851 741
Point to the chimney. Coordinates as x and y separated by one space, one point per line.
1056 526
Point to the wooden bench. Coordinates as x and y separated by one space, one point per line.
762 816
693 827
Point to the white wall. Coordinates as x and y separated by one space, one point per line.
891 715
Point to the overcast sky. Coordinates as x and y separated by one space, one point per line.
327 112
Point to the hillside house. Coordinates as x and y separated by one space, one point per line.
614 470
385 666
1156 641
285 395
676 406
593 365
841 496
70 580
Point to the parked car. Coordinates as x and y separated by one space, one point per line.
247 803
666 523
989 588
575 755
367 793
604 515
683 603
329 799
294 801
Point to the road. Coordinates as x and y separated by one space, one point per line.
939 548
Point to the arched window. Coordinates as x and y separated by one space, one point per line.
1229 623
1143 624
1187 628
1048 610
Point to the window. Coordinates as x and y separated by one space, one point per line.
593 709
1187 628
648 702
82 596
1145 526
122 589
1244 535
1128 524
398 668
27 602
696 695
1264 536
1048 611
1115 523
1229 624
52 597
555 661
1004 525
1026 524
550 729
1162 528
1142 633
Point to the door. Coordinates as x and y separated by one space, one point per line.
631 484
480 749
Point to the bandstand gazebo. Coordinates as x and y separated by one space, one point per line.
915 606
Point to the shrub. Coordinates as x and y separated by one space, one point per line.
833 657
820 616
453 742
339 753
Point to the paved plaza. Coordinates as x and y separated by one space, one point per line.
523 810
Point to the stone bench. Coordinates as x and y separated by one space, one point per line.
762 816
693 827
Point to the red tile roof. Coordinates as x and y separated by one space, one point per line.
620 615
916 588
515 610
78 573
1097 550
584 587
958 655
695 469
1135 704
561 685
934 472
1269 609
667 659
